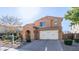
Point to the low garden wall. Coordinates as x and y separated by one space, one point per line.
71 36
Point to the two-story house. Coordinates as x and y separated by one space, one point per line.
48 27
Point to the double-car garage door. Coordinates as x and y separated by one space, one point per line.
49 34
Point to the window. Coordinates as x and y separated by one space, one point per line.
55 21
42 24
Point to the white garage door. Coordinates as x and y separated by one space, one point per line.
49 34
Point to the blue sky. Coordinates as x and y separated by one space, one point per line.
31 14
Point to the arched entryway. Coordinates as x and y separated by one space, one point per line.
28 36
29 33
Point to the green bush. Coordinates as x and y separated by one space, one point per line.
68 42
76 40
8 36
4 37
15 37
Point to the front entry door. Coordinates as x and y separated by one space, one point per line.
28 37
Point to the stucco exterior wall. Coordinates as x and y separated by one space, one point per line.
49 25
31 29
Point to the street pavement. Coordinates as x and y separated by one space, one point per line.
42 45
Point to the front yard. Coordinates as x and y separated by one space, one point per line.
9 44
41 43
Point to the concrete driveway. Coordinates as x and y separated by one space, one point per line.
42 45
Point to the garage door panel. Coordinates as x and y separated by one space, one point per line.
50 34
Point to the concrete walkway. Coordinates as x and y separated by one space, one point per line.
42 45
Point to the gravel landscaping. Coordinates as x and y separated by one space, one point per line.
9 44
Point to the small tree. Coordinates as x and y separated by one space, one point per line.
73 16
10 22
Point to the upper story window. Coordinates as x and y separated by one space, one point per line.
55 21
42 24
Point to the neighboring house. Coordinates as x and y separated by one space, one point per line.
48 27
8 28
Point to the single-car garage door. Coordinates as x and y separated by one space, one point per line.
49 34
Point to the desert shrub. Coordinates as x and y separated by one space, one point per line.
68 41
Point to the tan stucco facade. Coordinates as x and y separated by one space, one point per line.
35 27
31 29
